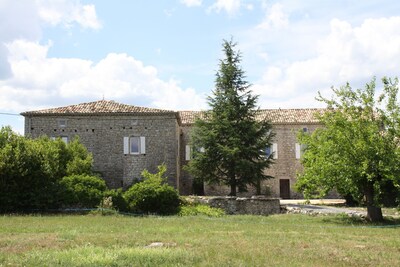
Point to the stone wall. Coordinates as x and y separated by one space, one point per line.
237 205
285 167
103 136
186 178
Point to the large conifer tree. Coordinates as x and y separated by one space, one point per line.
230 141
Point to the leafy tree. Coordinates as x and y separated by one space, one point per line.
80 160
31 170
356 151
230 140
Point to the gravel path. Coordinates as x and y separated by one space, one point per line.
313 209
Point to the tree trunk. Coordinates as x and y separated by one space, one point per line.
374 213
258 187
232 183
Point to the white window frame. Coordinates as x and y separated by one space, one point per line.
275 150
65 139
299 150
128 145
189 152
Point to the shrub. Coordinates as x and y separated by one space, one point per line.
153 195
82 190
106 207
118 199
200 209
31 170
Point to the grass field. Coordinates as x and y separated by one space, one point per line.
279 240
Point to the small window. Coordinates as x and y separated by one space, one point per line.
65 139
62 123
272 150
305 130
300 148
134 145
189 152
268 151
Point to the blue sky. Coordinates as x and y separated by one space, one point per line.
164 54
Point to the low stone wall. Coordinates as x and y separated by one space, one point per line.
241 205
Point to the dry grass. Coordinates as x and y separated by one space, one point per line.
279 240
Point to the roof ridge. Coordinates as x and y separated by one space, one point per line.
97 107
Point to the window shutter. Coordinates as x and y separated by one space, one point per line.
142 145
275 150
187 152
126 145
298 150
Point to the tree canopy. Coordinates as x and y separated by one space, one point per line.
356 152
30 170
229 142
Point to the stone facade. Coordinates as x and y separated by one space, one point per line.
104 138
105 127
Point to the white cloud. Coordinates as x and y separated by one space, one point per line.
275 18
191 3
39 81
24 20
68 12
229 6
347 53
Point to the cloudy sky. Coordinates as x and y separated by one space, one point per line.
164 54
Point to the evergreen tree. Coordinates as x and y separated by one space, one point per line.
230 141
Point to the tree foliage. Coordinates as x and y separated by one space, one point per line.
30 170
83 191
230 141
356 151
153 194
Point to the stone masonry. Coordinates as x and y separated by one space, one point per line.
104 126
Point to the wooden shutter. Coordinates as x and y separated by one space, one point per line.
298 150
142 145
187 152
126 145
275 150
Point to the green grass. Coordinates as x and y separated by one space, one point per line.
279 240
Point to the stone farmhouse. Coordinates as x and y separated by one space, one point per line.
126 139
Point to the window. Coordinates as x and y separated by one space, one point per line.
305 130
300 148
135 145
189 151
273 149
62 123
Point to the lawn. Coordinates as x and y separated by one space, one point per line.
279 240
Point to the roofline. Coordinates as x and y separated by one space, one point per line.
34 114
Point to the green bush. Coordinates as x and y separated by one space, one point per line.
118 200
82 191
153 195
31 170
200 209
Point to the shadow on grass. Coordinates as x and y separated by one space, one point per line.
346 220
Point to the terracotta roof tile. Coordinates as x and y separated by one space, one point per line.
104 107
275 116
97 107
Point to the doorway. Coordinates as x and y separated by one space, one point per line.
284 188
